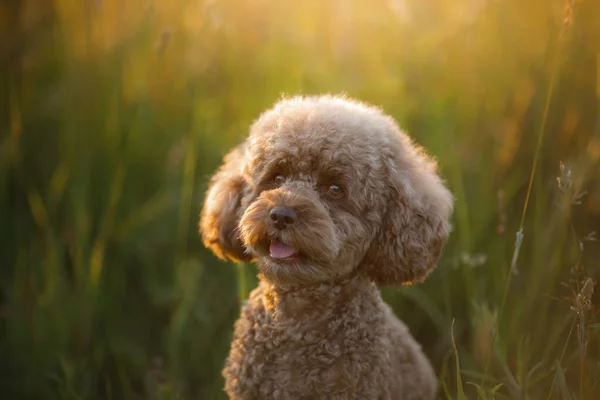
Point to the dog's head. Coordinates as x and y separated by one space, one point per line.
325 187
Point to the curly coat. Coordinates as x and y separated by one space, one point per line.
368 209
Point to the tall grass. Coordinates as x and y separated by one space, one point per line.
114 115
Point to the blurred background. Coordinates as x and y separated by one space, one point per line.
114 114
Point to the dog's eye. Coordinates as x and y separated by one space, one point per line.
278 180
335 191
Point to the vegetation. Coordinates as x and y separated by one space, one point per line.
115 113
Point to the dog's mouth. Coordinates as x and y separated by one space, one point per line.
281 251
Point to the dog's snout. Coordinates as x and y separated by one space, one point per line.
282 217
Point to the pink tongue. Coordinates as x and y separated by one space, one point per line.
280 250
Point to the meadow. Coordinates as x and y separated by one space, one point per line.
115 114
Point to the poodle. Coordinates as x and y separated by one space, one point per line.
331 200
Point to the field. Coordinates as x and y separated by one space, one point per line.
114 114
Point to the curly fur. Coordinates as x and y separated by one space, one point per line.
316 326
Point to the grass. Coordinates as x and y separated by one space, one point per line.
115 115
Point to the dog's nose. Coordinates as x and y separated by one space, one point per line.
282 217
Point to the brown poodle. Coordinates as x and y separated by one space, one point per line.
331 199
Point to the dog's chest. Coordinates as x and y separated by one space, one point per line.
341 355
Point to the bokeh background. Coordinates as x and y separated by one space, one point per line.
115 113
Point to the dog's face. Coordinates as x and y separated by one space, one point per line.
315 199
325 187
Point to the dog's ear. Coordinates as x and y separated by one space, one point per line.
222 209
415 225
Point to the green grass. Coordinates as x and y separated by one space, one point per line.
114 117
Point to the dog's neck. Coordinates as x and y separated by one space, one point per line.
314 302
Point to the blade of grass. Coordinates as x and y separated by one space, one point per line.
559 361
58 183
479 389
459 385
443 374
242 282
187 186
519 235
97 253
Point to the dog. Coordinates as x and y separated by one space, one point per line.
331 200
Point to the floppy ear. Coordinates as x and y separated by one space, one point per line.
415 226
222 209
